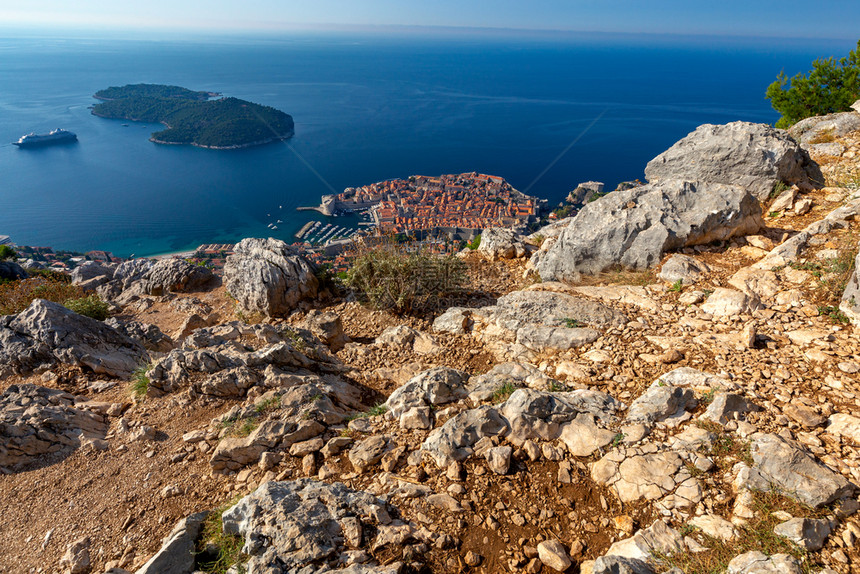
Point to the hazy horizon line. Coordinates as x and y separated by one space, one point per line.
393 29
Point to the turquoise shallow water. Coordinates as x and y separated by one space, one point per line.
366 109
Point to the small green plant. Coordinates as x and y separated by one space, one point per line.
475 243
246 428
378 410
616 440
708 396
538 239
268 405
298 342
595 195
563 211
726 447
834 314
217 552
502 393
91 307
773 214
778 188
555 387
139 381
572 323
677 286
375 411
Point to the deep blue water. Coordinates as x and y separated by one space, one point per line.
366 109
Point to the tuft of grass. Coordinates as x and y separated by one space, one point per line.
139 381
501 394
708 396
756 535
677 286
246 428
778 188
727 448
217 552
375 411
616 440
572 323
378 410
555 387
250 318
268 405
825 136
91 307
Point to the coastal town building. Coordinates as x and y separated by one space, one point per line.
458 205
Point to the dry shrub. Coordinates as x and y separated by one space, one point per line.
15 296
402 278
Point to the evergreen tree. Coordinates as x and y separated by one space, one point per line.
831 86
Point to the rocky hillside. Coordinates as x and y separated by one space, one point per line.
665 382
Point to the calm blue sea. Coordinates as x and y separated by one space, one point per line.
543 112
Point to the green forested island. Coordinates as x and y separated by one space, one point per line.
193 118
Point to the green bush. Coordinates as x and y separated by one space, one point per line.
389 277
7 252
91 306
831 86
475 243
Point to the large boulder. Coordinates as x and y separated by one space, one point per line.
268 276
175 276
37 421
47 333
453 441
437 386
779 463
150 336
147 277
850 304
751 156
11 271
500 243
635 227
814 130
178 549
89 270
304 525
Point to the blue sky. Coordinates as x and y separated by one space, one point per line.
785 18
